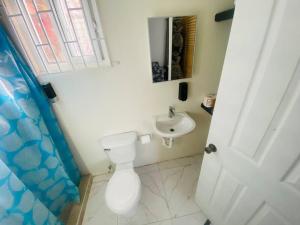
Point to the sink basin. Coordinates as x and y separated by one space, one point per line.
176 126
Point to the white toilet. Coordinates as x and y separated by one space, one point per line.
123 190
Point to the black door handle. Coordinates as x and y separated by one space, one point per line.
210 148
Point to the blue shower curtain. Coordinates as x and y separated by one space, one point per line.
38 175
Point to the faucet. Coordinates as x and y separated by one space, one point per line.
171 111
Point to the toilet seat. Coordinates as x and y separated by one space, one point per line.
123 191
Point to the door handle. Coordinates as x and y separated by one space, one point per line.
210 148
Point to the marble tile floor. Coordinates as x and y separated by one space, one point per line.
168 190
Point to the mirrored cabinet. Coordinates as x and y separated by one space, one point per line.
172 46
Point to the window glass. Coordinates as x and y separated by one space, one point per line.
57 36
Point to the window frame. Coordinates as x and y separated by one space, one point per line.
92 22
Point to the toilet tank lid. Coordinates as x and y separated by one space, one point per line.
118 140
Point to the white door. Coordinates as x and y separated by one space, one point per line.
254 177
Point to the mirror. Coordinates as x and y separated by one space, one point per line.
172 45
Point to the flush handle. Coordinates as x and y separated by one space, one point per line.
210 148
107 149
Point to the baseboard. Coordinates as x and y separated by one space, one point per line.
77 210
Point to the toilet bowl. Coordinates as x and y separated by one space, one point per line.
123 190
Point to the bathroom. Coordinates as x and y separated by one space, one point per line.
118 107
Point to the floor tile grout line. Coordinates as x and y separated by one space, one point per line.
182 167
156 164
159 170
164 189
174 217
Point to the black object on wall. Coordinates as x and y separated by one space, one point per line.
225 15
49 91
207 222
183 91
209 110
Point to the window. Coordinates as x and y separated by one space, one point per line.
58 35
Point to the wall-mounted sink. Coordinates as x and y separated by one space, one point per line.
179 125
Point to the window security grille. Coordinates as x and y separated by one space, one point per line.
58 35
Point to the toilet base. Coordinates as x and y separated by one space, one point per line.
123 192
132 212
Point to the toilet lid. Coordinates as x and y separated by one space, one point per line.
122 189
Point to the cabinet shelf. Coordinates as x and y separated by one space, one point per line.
209 110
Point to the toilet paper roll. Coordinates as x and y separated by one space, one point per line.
145 139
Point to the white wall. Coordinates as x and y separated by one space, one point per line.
157 38
97 102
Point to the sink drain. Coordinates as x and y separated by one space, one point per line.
172 130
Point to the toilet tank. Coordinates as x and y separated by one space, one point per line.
120 147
